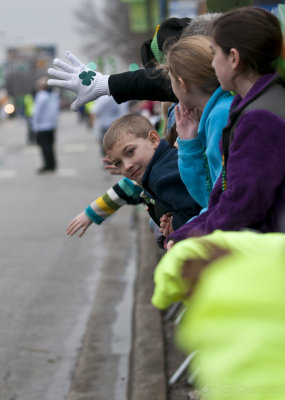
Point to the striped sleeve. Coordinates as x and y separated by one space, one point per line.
124 192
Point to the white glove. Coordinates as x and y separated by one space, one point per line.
87 84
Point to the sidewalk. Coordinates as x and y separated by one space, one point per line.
156 356
147 378
153 358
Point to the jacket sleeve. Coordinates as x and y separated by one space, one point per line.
124 192
255 172
144 84
215 124
200 167
40 102
169 284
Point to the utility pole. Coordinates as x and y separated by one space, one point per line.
149 17
163 9
226 5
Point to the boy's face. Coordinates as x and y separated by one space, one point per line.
131 154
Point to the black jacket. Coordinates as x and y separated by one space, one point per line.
143 84
161 182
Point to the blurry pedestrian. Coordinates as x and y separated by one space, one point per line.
106 110
28 112
44 123
89 117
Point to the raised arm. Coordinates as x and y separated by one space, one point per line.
123 192
87 84
144 84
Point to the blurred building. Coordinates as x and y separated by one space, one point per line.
192 8
183 8
23 66
225 5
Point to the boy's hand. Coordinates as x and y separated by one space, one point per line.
166 224
187 122
110 167
79 222
87 84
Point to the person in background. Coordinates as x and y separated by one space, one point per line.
89 117
105 110
44 123
28 112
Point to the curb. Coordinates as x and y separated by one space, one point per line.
147 365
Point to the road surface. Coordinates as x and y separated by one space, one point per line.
50 283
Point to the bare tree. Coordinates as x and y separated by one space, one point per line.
106 33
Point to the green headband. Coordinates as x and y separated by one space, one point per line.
158 54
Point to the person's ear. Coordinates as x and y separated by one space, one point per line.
235 58
154 138
181 83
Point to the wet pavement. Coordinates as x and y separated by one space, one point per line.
59 293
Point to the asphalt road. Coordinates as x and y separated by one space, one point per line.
51 283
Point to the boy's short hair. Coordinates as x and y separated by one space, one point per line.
136 124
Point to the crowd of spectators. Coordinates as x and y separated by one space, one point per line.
213 184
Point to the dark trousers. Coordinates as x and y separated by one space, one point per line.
102 133
31 137
45 140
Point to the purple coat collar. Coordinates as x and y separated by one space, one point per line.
256 89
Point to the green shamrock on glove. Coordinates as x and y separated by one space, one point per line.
87 77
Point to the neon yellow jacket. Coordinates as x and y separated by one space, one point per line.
235 317
169 285
29 105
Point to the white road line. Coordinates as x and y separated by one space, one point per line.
31 150
62 172
75 148
67 172
8 173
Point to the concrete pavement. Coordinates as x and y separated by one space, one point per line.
76 321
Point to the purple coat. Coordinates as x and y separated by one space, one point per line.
255 194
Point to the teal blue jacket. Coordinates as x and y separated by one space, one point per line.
199 159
